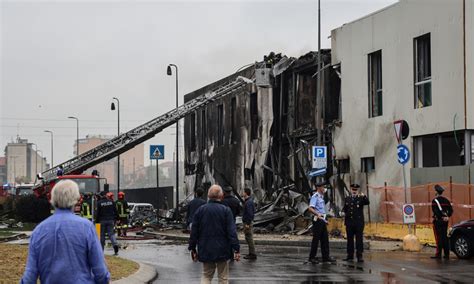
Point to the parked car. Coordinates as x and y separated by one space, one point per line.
461 239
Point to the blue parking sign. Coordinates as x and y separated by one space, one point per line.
319 157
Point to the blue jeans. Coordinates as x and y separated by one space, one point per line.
107 227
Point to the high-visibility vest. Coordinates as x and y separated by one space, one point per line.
121 210
86 211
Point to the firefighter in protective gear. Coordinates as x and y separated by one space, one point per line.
123 212
86 207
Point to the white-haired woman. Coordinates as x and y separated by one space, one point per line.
64 248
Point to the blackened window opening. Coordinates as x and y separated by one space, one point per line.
375 83
220 125
254 116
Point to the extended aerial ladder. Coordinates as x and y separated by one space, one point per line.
132 138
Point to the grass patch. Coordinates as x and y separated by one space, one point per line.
6 233
13 262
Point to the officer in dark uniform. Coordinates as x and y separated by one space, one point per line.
106 214
354 221
230 201
442 210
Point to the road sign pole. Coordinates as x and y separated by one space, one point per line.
157 175
405 190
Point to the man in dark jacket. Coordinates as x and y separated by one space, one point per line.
231 202
194 205
106 214
442 210
213 233
354 220
247 219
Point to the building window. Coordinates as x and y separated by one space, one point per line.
375 83
440 150
203 129
253 116
344 166
233 106
422 51
220 125
367 164
192 123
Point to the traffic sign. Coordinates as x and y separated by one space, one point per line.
319 157
157 152
403 154
409 214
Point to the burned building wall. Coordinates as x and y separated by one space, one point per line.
227 141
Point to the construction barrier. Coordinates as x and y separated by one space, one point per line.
391 200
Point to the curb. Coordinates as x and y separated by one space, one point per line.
145 274
13 237
333 244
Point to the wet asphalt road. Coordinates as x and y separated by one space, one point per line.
288 265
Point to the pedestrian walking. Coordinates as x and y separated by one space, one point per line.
123 211
64 248
231 201
106 214
442 210
213 233
320 231
354 221
247 218
193 206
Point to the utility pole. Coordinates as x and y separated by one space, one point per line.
319 94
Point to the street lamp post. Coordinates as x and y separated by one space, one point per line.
52 155
77 133
168 71
112 107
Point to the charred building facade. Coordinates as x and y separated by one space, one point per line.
260 137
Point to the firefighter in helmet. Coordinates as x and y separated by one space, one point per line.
123 212
86 207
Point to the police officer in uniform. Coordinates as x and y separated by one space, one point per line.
320 231
106 214
231 202
123 211
354 220
442 210
86 206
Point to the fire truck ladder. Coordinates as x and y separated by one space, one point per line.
130 139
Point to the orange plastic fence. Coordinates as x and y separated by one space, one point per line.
391 200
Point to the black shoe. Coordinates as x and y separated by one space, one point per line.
250 256
116 249
349 259
446 257
313 260
329 259
360 260
436 257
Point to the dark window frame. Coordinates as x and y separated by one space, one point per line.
203 129
374 69
253 116
365 162
192 126
422 71
233 110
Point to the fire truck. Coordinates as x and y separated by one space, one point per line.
73 168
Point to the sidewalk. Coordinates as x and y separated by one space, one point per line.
145 274
284 240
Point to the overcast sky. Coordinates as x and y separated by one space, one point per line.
69 58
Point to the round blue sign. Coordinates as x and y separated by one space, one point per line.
408 210
403 154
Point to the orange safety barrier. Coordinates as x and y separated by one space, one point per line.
392 198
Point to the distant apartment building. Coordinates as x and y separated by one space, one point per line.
3 170
130 162
23 162
412 60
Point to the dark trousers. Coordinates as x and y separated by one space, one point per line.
357 231
440 229
320 234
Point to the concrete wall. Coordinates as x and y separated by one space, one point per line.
459 174
392 30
